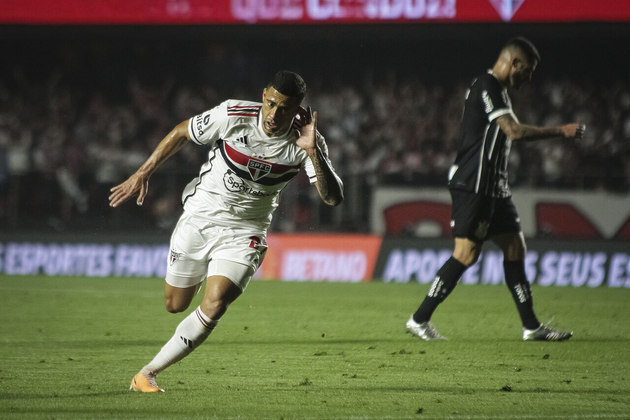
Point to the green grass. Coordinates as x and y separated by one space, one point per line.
69 347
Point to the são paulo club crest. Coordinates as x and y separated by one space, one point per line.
258 169
506 8
174 256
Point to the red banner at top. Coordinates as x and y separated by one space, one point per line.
308 11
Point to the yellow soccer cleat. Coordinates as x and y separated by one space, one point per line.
144 383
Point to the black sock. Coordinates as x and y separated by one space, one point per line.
516 281
445 281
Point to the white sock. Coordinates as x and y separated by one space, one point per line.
189 334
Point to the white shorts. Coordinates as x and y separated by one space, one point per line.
200 252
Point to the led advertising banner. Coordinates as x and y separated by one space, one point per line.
307 11
83 259
320 257
338 258
295 257
548 263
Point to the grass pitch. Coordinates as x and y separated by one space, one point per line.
69 347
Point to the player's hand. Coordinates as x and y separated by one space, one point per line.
135 184
307 139
575 130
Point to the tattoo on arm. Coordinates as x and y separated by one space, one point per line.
328 184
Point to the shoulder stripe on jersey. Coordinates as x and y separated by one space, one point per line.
243 111
249 110
241 114
499 113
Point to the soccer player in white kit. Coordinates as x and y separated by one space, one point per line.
255 150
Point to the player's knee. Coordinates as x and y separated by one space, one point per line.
214 308
466 251
470 259
466 258
178 299
175 306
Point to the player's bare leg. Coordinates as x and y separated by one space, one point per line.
191 332
219 294
177 299
466 251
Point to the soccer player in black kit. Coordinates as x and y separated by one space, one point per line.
482 207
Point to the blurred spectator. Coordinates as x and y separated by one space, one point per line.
68 132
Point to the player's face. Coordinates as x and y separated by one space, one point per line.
278 111
521 71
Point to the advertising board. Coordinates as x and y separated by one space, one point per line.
307 11
337 258
548 263
320 257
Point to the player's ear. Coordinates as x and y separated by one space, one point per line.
517 62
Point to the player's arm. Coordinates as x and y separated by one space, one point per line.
138 183
517 131
329 186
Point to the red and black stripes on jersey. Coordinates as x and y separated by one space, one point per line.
257 170
199 123
243 111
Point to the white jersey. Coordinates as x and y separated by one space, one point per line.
240 184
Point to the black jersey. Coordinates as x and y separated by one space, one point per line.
483 148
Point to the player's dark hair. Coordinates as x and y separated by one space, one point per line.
526 46
289 83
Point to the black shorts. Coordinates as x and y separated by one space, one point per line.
478 217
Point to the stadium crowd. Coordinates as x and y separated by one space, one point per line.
79 122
